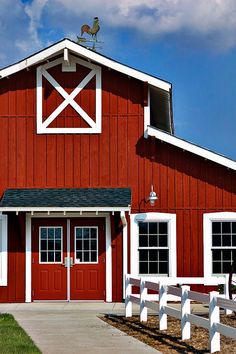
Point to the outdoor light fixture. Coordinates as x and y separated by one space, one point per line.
152 197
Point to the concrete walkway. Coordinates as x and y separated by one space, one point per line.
74 328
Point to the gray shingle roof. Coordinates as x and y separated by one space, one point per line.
67 197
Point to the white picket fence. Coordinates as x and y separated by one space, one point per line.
185 295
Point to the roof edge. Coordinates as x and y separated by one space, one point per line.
87 53
193 148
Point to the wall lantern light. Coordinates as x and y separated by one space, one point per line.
152 197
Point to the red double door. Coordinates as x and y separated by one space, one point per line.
68 259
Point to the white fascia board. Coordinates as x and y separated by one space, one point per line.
61 209
88 54
185 145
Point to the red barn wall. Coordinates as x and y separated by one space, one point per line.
186 184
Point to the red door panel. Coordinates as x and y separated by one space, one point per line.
89 258
49 276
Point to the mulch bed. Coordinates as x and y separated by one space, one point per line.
169 341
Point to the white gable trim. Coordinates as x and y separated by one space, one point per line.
43 125
86 53
185 145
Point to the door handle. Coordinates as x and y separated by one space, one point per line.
66 262
71 262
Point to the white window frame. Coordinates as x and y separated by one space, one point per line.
85 227
134 234
50 227
3 250
208 218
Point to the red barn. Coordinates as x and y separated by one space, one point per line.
83 140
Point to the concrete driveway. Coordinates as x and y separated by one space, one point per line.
74 328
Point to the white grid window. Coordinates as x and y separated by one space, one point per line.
86 244
223 246
50 244
153 248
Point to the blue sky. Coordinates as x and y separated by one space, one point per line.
190 43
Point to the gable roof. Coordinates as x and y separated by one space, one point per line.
67 44
193 148
73 199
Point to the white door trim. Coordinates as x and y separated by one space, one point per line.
28 249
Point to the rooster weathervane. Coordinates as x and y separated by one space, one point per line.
92 31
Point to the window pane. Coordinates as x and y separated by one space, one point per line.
57 256
226 255
143 267
226 240
143 255
163 268
233 240
143 228
78 232
226 227
86 245
226 267
50 245
43 233
79 256
86 232
163 227
78 245
93 233
153 255
43 256
58 233
153 268
93 244
153 241
163 255
86 256
93 256
51 233
50 256
143 241
153 228
216 240
57 244
216 227
163 240
216 255
43 245
234 227
216 267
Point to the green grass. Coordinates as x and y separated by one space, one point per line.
13 338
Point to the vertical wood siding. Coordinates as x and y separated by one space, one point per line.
186 184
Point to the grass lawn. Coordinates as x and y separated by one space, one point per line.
13 338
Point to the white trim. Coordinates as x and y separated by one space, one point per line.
43 124
86 53
68 231
3 250
147 112
207 237
108 261
185 145
125 248
40 239
28 259
28 283
134 231
65 210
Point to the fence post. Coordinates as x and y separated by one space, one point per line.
162 304
214 317
185 310
128 291
226 293
143 297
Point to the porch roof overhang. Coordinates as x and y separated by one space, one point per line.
66 200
